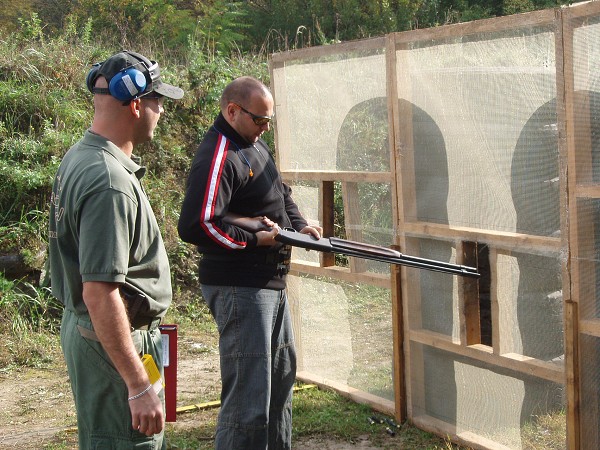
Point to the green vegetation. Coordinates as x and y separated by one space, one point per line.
46 48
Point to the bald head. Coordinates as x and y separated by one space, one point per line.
241 90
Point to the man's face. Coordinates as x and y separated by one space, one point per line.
152 108
244 116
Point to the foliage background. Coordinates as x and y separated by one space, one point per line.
47 47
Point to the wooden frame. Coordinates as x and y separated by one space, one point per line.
576 223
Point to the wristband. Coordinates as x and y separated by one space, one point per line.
140 394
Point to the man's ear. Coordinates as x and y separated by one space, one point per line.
135 107
230 111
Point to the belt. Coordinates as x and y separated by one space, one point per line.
146 323
149 325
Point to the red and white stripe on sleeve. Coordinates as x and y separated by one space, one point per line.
210 198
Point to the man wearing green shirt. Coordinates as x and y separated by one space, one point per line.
108 263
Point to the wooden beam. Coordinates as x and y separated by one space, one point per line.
519 363
543 245
400 373
499 24
334 175
340 273
326 207
313 53
378 403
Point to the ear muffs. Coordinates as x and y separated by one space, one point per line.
127 84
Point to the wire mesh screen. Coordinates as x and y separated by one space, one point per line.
331 112
484 134
332 116
501 408
482 146
345 334
484 121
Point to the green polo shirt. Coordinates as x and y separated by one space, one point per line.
102 227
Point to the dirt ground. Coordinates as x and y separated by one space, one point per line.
37 408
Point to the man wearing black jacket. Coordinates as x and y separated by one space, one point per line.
235 200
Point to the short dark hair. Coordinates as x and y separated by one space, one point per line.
241 89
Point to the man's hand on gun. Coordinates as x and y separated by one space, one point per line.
265 228
314 230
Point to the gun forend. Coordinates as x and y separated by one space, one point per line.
295 239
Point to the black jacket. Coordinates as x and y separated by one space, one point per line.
220 181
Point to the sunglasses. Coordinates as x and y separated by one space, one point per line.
258 120
154 95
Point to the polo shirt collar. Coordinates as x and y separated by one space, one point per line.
132 165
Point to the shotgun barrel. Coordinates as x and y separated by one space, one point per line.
373 252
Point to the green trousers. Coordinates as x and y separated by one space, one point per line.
103 416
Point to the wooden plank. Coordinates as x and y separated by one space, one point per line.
519 363
572 374
564 113
378 403
336 175
313 53
468 294
591 327
496 24
548 246
340 273
402 138
591 191
401 360
582 11
494 302
326 208
398 335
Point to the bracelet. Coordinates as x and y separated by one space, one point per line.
140 394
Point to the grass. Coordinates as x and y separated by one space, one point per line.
29 331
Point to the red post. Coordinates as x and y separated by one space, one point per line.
169 338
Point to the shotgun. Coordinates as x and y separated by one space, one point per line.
367 251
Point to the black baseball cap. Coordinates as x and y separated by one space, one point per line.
124 60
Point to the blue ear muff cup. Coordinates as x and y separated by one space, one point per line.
127 84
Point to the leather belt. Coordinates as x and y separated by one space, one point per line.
146 323
149 325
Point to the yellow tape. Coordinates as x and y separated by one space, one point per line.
153 372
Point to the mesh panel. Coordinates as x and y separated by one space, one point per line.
333 112
343 333
484 130
493 403
478 126
483 136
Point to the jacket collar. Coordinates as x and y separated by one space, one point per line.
223 127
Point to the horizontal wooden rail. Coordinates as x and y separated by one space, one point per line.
378 403
500 239
551 371
590 327
335 175
587 191
340 273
